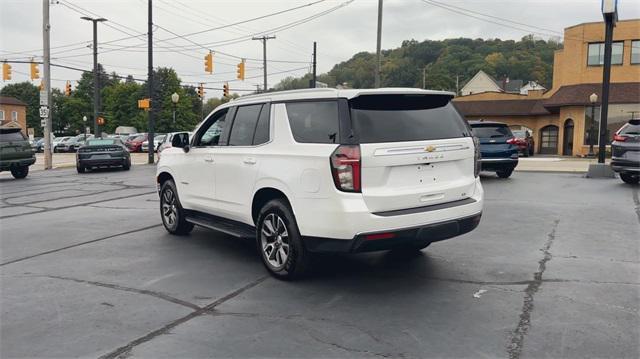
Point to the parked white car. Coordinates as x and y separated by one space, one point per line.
325 170
157 141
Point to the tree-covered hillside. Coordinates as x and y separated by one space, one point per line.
527 59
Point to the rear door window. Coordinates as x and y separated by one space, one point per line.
488 131
11 136
399 118
244 125
314 121
262 128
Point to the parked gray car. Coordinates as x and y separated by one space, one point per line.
625 152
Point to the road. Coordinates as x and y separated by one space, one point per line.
88 271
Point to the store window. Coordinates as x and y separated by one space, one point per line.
619 114
595 57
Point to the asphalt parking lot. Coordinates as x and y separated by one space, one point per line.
87 270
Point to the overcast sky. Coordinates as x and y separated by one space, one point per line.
340 34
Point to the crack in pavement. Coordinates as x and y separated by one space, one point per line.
354 350
158 295
125 350
514 349
77 205
80 244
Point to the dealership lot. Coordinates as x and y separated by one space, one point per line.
87 270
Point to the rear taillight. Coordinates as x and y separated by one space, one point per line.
345 167
512 141
476 157
617 137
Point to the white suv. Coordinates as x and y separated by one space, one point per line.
324 170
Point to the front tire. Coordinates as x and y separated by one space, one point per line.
20 172
171 211
279 241
126 165
504 173
630 178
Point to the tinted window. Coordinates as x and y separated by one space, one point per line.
103 142
397 118
262 128
314 122
632 128
213 132
244 125
491 131
11 136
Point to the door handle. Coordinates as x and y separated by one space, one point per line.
249 160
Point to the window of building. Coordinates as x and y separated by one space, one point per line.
14 115
595 57
635 52
619 114
1 115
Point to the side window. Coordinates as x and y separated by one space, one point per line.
244 125
314 121
215 125
262 128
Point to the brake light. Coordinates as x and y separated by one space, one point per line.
617 137
512 141
476 157
345 168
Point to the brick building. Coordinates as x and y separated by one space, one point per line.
13 113
560 118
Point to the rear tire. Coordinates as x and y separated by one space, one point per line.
279 241
504 173
171 211
20 172
80 169
629 178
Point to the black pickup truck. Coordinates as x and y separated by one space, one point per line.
16 154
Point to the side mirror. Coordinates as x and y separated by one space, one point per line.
181 140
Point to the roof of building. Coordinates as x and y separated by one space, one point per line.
6 100
578 95
512 86
501 108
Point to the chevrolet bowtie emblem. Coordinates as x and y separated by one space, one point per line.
430 148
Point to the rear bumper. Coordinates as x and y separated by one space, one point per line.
623 165
494 164
114 161
8 164
419 236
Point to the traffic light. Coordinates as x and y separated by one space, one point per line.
35 71
6 72
208 62
241 71
225 89
67 88
201 91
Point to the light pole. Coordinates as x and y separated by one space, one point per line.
592 99
96 77
174 98
84 128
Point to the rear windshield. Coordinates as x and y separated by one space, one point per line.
631 128
491 131
102 142
519 133
11 136
398 118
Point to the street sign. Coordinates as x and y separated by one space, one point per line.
44 111
44 99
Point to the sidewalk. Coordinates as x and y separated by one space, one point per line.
554 164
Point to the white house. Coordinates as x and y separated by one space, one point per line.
531 85
480 82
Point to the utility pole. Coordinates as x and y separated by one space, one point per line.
45 98
424 76
313 78
457 84
264 55
96 75
378 46
152 123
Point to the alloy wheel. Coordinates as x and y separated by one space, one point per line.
169 210
274 239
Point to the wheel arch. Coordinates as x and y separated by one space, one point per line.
264 195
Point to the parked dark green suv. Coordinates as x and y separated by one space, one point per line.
16 154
